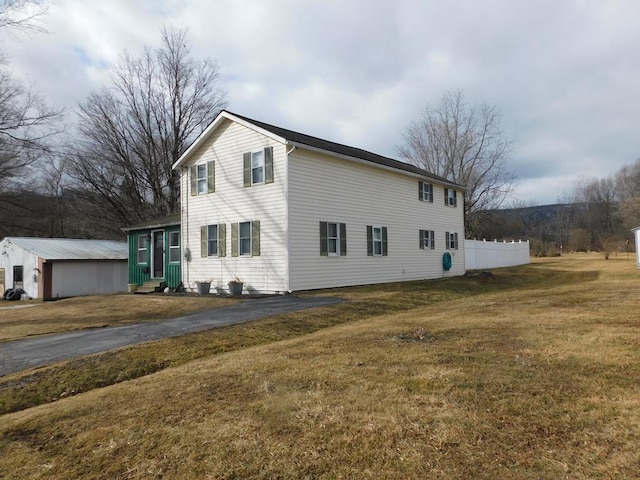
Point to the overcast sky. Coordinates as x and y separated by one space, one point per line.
564 74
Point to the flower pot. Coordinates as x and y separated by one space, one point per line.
235 288
203 287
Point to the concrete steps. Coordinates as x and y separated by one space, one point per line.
151 286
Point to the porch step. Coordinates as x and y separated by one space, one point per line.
151 286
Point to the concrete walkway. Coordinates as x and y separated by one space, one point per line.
43 350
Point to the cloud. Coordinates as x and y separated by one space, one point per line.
563 74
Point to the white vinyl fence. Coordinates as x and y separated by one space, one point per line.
480 254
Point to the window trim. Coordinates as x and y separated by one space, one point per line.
173 248
144 249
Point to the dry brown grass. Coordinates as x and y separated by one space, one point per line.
536 381
97 311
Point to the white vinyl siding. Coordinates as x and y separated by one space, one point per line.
234 204
362 195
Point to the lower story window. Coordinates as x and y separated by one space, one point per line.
174 247
377 241
212 240
245 239
143 242
451 241
427 239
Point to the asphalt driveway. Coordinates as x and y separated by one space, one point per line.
43 350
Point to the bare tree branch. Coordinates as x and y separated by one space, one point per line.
465 145
132 133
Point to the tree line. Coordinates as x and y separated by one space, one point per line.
597 215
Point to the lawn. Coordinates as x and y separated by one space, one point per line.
531 373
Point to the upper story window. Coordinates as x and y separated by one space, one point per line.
425 192
427 239
203 178
450 197
333 239
143 248
377 244
174 247
258 167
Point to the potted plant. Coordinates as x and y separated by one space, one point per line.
235 287
203 287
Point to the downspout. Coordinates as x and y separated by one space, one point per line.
286 210
186 257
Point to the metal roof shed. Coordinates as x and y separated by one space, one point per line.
61 267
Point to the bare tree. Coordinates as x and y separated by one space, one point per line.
23 15
465 145
130 134
627 181
27 122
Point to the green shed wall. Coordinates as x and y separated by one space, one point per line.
140 273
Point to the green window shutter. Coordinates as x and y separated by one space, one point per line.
446 240
433 240
455 239
385 248
343 239
222 240
211 177
203 241
194 180
323 239
234 239
255 238
369 241
421 191
268 165
421 235
455 198
446 196
431 193
247 169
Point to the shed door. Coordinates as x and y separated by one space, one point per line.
158 254
18 278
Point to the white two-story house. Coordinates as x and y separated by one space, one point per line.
283 211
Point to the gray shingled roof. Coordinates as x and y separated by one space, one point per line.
72 249
319 143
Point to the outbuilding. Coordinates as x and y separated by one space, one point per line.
636 233
50 268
